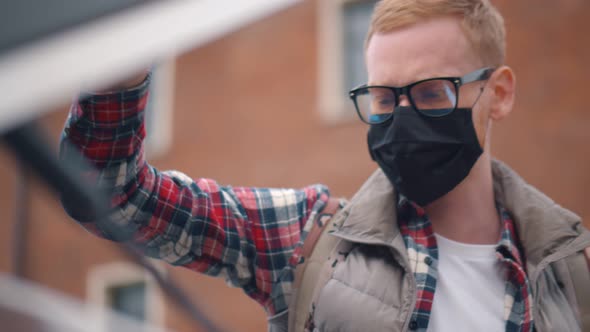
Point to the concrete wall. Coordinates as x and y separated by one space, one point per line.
246 115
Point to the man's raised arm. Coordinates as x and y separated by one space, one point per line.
245 234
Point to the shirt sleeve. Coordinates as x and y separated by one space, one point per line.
246 234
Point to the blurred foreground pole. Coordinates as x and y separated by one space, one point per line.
21 220
48 58
65 178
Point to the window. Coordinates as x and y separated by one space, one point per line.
158 114
129 299
127 289
343 26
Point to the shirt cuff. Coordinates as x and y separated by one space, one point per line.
115 108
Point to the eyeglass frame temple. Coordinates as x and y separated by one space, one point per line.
478 75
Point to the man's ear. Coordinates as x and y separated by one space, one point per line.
503 89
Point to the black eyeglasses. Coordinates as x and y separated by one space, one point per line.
433 97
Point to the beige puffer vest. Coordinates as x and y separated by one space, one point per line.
373 289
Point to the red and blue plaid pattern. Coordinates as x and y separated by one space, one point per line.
247 235
518 301
420 241
418 236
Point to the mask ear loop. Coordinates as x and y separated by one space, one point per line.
485 137
481 88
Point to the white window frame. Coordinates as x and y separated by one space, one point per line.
104 277
160 109
334 105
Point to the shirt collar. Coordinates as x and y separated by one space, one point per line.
508 245
542 226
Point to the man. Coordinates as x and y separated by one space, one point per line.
442 237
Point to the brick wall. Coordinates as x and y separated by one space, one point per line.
246 115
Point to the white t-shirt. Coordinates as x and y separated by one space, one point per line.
470 289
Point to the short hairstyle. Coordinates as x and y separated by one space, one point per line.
481 21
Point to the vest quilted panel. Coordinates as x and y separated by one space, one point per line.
364 294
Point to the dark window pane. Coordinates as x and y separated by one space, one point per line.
129 299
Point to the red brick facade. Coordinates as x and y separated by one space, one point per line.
246 114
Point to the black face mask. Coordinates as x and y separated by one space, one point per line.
425 157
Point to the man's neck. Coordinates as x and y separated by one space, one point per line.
468 213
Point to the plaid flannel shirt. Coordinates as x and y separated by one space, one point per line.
420 241
248 235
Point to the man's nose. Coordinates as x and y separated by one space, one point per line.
404 100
